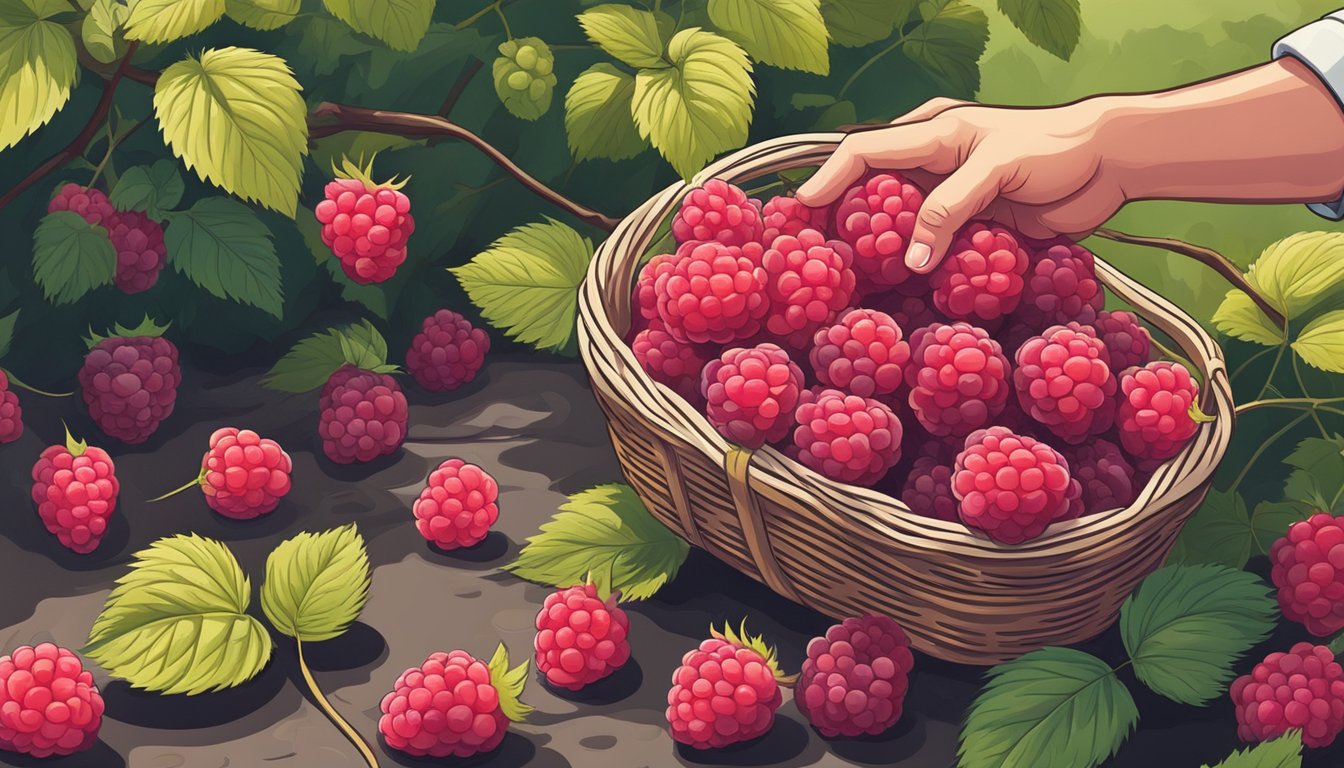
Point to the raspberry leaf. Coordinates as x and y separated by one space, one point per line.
162 21
1052 25
604 530
1299 270
1283 752
1052 708
1321 342
1317 479
37 69
1240 318
316 583
71 257
7 331
399 23
509 683
177 621
1219 532
629 34
949 43
855 23
222 246
262 14
311 362
789 34
597 115
1185 626
154 189
101 30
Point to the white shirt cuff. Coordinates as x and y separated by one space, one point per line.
1320 45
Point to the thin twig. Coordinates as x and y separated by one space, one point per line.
1246 468
463 80
1308 403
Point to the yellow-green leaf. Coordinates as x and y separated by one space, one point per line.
316 583
177 622
101 30
262 14
162 21
598 122
629 34
509 683
949 43
399 23
235 116
701 105
37 66
1321 343
1298 270
524 75
1240 318
784 33
854 23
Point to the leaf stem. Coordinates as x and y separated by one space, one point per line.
1273 369
1302 387
1246 469
16 381
1308 404
477 16
867 64
344 725
1242 368
499 11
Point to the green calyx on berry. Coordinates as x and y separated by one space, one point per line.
75 447
363 173
509 683
756 643
147 328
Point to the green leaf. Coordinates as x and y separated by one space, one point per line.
604 533
629 34
162 21
855 23
399 23
784 33
598 122
949 43
236 117
524 75
1218 532
1283 752
311 362
1295 272
221 245
527 282
1240 318
71 257
101 30
509 683
701 105
7 331
262 14
323 42
1271 519
37 66
1052 708
1053 25
1317 479
316 583
1186 625
1321 343
177 622
155 189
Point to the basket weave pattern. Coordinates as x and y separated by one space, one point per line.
844 550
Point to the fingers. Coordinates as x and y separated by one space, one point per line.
964 194
929 110
902 146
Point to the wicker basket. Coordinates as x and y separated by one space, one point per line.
844 550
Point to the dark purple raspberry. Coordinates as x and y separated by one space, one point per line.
130 385
787 216
1308 569
717 212
1302 689
845 437
1127 342
958 378
854 679
1063 381
1106 476
863 354
90 203
447 353
928 490
981 278
808 281
1061 286
141 254
11 415
363 415
751 393
909 312
670 362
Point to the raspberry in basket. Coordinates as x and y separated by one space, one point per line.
863 353
581 638
714 293
1154 418
958 378
877 218
786 216
808 281
717 212
846 437
1060 286
1012 486
854 679
725 692
1302 689
909 312
928 489
752 393
1063 381
675 364
981 278
646 292
1308 569
1127 342
1107 478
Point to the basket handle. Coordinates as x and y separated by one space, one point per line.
737 464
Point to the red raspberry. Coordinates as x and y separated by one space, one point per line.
862 354
365 224
1060 287
717 212
1308 569
90 203
447 352
49 704
846 437
1154 416
958 378
141 253
580 637
130 385
981 278
1105 475
457 506
1063 382
787 216
453 705
75 488
714 293
1302 689
877 218
646 293
244 475
1011 486
725 692
808 282
752 392
1127 342
928 490
673 363
854 678
11 415
363 415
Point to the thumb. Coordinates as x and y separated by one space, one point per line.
956 200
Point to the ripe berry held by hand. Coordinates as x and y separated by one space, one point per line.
75 489
11 415
129 383
447 353
712 292
1302 689
717 212
808 282
362 415
958 378
981 278
141 254
1154 418
1063 380
877 218
457 506
49 704
364 223
725 692
1011 486
863 353
854 679
581 638
751 394
1308 569
846 437
244 475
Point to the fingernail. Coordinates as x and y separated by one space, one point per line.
918 256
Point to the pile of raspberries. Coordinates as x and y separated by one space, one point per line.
995 391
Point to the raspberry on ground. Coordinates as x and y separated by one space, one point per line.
717 212
457 506
928 489
1302 689
981 278
453 705
581 638
447 353
1064 382
1011 486
141 254
854 679
877 218
1105 474
714 293
49 704
75 488
1127 342
751 394
129 384
846 437
90 203
362 415
786 216
725 692
1154 418
958 378
11 414
1060 286
673 363
1308 569
808 282
863 354
244 475
365 224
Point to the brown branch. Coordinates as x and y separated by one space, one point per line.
463 80
329 119
1209 258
